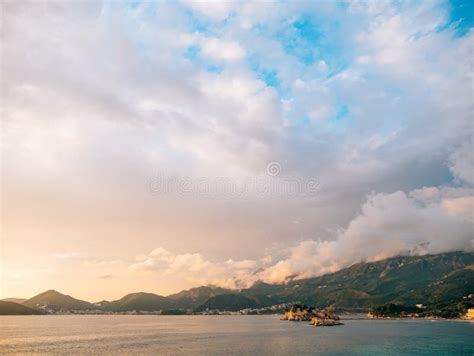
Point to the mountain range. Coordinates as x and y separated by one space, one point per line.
12 308
429 279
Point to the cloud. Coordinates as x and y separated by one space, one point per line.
462 162
388 225
65 256
102 263
106 276
460 206
196 269
217 10
222 50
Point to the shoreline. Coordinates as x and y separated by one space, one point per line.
240 315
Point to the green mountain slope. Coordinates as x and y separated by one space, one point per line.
228 302
263 293
194 297
407 279
55 301
140 302
15 300
12 308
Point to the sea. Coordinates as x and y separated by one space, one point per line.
228 335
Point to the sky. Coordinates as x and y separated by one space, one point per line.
158 146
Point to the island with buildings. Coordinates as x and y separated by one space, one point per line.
316 317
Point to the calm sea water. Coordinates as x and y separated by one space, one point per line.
228 335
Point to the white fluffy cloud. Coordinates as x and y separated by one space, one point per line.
218 49
195 269
389 225
462 162
216 10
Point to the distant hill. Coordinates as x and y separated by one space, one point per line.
194 297
140 302
263 293
15 300
103 304
228 302
12 308
55 301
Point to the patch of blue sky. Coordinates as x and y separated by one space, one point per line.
196 23
311 40
336 69
417 35
301 39
260 29
212 67
340 121
270 77
461 17
201 24
306 121
307 29
342 114
462 14
134 4
265 73
193 54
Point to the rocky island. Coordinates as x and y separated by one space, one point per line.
316 317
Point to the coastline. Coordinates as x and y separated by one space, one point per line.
217 316
343 317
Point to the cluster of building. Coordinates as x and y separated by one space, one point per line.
273 309
316 317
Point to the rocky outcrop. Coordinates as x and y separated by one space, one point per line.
469 315
325 322
316 317
298 312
